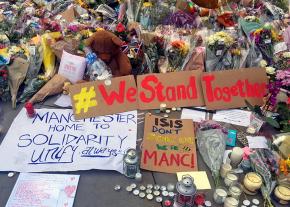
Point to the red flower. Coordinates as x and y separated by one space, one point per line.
288 101
120 27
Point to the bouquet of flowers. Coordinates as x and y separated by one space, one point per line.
282 61
211 142
264 163
218 53
264 38
4 88
176 53
153 52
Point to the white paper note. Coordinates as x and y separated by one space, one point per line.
196 116
259 142
36 189
234 116
63 101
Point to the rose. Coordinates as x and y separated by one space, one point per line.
120 27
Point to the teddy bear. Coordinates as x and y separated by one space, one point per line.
107 47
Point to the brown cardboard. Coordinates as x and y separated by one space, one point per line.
237 82
123 87
173 83
69 14
169 152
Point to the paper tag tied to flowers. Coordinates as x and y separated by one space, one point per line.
32 50
268 41
219 52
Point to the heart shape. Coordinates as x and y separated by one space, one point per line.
69 190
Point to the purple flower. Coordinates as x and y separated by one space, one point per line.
286 82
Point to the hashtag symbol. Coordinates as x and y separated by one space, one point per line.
85 100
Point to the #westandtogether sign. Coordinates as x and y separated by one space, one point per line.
54 141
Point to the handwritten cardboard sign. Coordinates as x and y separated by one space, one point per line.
229 89
96 98
168 145
177 89
55 141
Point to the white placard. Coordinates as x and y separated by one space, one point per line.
38 189
55 141
196 116
259 142
72 67
234 116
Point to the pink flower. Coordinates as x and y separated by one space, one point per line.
282 74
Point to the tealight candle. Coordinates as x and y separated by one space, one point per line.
163 107
220 195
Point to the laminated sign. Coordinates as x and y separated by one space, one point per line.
168 145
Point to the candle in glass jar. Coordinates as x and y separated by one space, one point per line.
220 195
252 181
231 202
225 169
230 179
235 191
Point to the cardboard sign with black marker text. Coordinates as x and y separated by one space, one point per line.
168 145
230 88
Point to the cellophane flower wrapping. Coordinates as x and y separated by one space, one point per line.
97 69
211 142
176 53
265 164
218 54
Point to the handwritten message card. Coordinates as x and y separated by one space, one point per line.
233 116
169 145
55 141
36 189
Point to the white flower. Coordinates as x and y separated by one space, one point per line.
270 70
286 54
263 63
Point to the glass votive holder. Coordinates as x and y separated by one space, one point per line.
231 202
220 195
236 190
225 169
230 179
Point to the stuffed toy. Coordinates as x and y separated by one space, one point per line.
107 47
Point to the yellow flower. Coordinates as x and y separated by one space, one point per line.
263 63
286 54
147 4
270 70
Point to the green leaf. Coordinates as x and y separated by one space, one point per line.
272 122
